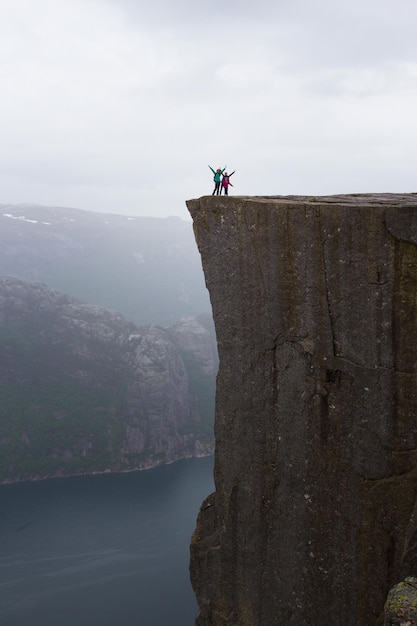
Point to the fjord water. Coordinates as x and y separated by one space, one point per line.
105 550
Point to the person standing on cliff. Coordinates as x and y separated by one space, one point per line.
217 180
226 182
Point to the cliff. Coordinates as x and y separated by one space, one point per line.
315 308
83 390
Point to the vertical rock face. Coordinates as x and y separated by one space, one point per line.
315 308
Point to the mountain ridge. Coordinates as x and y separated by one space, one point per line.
147 268
85 391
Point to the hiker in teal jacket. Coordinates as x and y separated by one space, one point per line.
217 179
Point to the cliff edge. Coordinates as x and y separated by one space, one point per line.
314 515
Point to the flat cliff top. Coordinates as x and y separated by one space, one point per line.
356 199
397 210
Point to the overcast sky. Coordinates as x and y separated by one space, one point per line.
120 105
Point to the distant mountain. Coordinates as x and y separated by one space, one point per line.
147 268
83 390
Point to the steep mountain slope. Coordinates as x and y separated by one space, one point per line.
84 390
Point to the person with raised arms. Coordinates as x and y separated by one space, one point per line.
226 182
217 179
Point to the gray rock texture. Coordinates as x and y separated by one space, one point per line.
83 390
315 308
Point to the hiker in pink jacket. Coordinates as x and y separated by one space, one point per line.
226 182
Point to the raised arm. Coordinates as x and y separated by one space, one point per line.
212 169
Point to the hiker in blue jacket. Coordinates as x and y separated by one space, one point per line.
217 179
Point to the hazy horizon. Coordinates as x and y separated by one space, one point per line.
118 106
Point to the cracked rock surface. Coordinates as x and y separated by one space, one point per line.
315 307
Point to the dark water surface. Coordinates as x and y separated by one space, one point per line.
108 550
